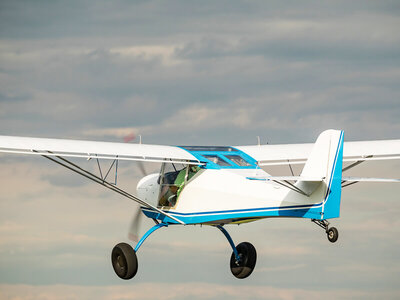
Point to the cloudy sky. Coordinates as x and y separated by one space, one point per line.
186 72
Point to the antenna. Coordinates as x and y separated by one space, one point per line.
258 140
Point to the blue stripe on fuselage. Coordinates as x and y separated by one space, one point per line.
304 211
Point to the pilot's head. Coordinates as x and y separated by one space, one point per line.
193 168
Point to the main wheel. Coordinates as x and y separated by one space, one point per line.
124 261
332 234
248 257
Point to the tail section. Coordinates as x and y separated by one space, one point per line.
325 161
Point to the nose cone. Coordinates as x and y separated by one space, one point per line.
148 189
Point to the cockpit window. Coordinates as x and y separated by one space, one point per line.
173 178
237 159
217 160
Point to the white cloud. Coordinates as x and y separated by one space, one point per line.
364 27
114 132
165 53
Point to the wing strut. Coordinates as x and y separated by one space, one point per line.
290 186
357 163
285 181
290 166
115 162
75 168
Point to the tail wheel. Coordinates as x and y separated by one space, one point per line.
332 234
248 257
124 261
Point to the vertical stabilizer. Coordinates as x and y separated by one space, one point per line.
325 161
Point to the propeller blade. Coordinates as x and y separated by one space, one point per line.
133 234
129 138
141 168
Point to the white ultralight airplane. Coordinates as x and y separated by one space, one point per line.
222 185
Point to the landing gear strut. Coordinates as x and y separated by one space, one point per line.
124 259
243 258
331 232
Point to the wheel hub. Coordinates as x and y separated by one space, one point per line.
120 262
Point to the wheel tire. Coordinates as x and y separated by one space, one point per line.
245 266
332 234
124 261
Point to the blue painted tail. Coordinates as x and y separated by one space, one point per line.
325 162
331 206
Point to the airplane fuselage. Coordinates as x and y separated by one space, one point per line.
231 195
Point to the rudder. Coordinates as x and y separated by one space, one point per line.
331 205
325 161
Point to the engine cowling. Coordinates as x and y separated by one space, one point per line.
148 189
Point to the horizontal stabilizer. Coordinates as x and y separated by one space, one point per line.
289 178
363 179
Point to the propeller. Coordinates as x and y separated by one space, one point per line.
140 165
133 233
134 227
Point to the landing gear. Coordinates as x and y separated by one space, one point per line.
125 264
331 232
248 257
243 258
124 261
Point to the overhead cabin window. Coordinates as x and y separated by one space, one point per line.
217 160
209 148
240 161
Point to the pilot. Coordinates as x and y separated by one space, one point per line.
180 179
170 196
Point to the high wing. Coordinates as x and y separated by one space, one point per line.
355 152
90 149
57 150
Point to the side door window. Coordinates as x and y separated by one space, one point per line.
168 188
